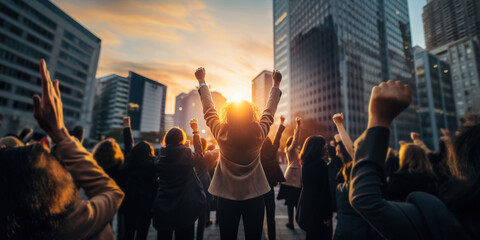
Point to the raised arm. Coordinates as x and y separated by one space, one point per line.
388 218
296 134
347 141
197 155
209 112
278 135
104 195
127 136
269 113
419 142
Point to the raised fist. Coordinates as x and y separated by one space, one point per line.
277 78
282 120
415 136
194 124
338 118
126 121
200 74
387 101
298 121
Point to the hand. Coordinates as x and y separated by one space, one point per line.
48 110
126 122
187 143
446 137
338 118
277 78
282 120
298 121
415 136
200 75
194 124
387 101
338 138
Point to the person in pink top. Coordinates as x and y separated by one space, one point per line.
291 188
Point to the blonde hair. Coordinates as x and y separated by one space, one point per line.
414 159
243 106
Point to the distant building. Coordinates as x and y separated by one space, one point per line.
436 104
189 106
30 31
281 52
146 105
111 101
261 86
169 120
141 98
337 51
452 32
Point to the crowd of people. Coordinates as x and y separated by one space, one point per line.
53 188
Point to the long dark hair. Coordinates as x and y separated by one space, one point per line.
414 159
313 149
36 193
463 195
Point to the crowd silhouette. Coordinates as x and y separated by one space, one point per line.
53 188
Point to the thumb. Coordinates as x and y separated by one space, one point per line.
36 106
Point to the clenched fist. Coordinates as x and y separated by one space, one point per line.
387 101
200 75
282 120
338 118
277 78
194 124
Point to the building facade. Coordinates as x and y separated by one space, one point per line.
111 101
146 104
30 31
452 32
281 52
261 86
338 51
169 121
435 97
189 106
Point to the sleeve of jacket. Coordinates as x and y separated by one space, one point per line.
128 140
209 112
104 195
269 113
391 220
296 135
278 136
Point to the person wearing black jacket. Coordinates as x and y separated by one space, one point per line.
315 206
421 216
274 174
180 197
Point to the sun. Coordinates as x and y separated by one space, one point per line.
237 97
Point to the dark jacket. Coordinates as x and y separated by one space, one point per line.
268 158
350 225
174 169
405 182
315 204
421 216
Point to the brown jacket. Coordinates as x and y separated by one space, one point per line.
88 219
239 174
293 174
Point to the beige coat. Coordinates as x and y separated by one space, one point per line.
239 174
88 219
293 174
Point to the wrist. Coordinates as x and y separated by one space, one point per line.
195 132
59 135
276 85
201 80
379 123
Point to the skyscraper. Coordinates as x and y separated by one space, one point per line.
261 86
452 32
339 50
111 102
29 31
435 97
281 42
146 104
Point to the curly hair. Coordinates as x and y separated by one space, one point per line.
37 192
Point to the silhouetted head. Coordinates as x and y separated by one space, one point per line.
141 154
204 144
414 159
108 154
36 193
267 143
175 136
10 142
240 113
313 149
78 132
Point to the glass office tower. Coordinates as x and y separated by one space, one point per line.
339 50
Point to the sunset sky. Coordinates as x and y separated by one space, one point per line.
166 40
